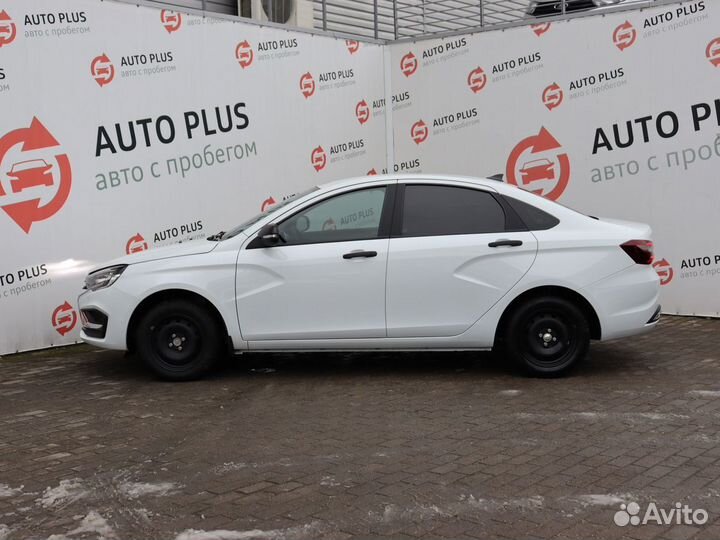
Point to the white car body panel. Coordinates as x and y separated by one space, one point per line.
446 292
459 276
321 294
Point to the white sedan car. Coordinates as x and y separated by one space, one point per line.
384 262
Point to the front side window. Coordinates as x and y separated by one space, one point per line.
443 210
349 216
274 208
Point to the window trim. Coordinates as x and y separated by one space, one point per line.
522 221
383 227
513 223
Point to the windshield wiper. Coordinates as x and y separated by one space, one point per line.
216 237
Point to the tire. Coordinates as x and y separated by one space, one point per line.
179 340
547 336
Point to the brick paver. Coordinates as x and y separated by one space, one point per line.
369 445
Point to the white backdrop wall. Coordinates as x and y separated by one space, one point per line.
124 128
617 116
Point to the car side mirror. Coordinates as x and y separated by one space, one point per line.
269 235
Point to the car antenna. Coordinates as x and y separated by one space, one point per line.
497 177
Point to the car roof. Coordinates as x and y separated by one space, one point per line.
30 163
482 182
544 161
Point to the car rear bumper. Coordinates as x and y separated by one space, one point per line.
627 302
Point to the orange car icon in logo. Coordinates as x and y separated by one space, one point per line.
31 173
539 169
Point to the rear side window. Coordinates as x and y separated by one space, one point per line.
533 218
443 210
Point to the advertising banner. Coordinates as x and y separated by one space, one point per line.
126 128
615 115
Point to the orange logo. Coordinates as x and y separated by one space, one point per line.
64 318
267 203
136 244
8 30
33 171
362 112
477 80
408 64
102 70
712 52
533 162
307 85
419 132
552 96
372 172
244 54
664 270
624 36
540 28
352 45
171 20
318 158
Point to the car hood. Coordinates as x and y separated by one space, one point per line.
195 247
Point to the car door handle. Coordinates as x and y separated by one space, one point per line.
504 242
360 254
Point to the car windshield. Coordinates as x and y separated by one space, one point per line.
275 207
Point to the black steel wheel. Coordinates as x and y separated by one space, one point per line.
179 340
547 336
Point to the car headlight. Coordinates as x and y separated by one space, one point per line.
104 278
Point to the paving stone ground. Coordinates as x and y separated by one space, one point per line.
332 446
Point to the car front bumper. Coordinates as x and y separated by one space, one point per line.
105 315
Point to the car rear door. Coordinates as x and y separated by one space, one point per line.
455 250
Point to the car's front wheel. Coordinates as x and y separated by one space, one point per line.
179 340
547 336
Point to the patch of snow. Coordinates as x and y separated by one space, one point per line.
94 523
310 530
705 393
536 501
660 416
701 437
134 490
229 466
595 499
509 392
7 491
329 481
393 512
4 531
143 513
68 491
591 415
467 503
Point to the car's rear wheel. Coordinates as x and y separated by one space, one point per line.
179 340
547 336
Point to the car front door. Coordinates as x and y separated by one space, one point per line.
453 255
326 278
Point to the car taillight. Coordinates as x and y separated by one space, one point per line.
640 251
